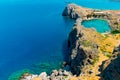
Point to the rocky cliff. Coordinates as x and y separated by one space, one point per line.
110 69
70 11
88 49
112 16
82 49
92 55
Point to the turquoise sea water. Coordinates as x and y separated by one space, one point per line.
33 33
100 25
99 4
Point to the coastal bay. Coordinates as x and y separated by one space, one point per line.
33 34
31 39
91 55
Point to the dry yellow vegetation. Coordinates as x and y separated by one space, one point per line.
107 43
37 78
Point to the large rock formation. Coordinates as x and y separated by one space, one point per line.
83 48
110 70
85 44
70 11
88 49
112 16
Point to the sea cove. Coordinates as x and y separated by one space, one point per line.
34 34
101 26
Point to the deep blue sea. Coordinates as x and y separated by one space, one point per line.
33 33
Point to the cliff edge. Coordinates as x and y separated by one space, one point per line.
88 49
92 55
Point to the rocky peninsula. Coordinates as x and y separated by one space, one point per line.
92 55
112 16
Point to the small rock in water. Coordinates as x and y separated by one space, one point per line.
43 76
55 72
60 72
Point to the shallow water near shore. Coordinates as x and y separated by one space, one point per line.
34 34
101 26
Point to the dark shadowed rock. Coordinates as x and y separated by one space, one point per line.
82 50
111 68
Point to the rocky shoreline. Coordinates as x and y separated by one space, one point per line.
88 49
55 75
74 11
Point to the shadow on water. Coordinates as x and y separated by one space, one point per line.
68 22
65 51
69 25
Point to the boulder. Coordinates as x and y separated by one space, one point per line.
43 76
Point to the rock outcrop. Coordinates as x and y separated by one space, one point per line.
55 75
110 70
85 44
82 49
70 11
112 16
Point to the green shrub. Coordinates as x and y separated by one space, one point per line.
95 60
116 23
115 32
87 43
109 55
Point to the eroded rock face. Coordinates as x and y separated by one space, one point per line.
111 68
70 11
82 49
